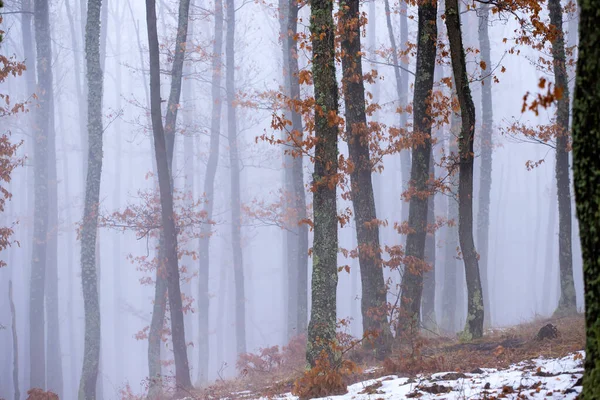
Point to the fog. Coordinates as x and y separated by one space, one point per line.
523 263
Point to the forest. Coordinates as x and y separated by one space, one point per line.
296 199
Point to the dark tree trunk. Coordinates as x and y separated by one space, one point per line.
567 302
234 169
322 326
182 372
402 93
42 141
428 317
209 192
89 231
412 278
15 341
450 288
475 312
485 178
373 300
159 310
586 168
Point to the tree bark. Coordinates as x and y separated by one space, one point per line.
182 372
568 301
475 312
412 278
209 193
42 141
89 231
234 169
586 168
428 317
322 326
485 177
374 291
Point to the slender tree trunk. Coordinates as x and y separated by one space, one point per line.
475 312
209 193
234 168
298 191
15 341
402 93
485 177
412 279
159 310
322 326
450 290
89 231
373 300
42 140
586 167
567 302
182 373
429 319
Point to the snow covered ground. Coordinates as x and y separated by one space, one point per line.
533 379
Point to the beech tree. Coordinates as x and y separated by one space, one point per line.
373 300
182 372
475 313
322 326
412 279
586 171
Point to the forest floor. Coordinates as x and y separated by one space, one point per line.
506 363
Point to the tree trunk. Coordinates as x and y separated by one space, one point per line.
209 193
586 168
374 292
182 373
475 312
485 178
37 351
15 341
450 289
567 302
402 93
412 278
234 168
159 310
428 317
322 326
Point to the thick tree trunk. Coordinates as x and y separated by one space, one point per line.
373 299
475 312
182 372
15 342
567 302
402 93
586 167
450 289
485 177
412 279
322 326
209 192
42 141
234 168
428 317
89 231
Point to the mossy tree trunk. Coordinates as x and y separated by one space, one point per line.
412 279
567 302
475 312
374 291
586 171
89 231
322 326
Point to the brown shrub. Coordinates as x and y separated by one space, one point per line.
324 379
39 394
